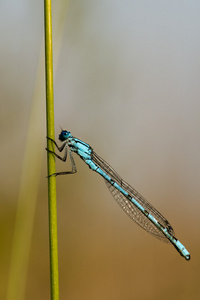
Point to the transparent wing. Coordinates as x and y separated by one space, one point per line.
132 211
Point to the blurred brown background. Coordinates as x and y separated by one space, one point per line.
126 82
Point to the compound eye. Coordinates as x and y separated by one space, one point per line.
64 135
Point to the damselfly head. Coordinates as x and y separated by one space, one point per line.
64 135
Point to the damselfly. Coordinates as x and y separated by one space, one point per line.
134 204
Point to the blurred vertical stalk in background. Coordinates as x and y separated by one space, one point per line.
31 170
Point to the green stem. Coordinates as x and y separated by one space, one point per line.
50 159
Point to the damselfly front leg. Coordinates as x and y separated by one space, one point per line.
64 158
60 149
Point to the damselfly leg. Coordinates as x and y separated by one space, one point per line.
64 158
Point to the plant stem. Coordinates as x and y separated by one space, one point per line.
50 159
